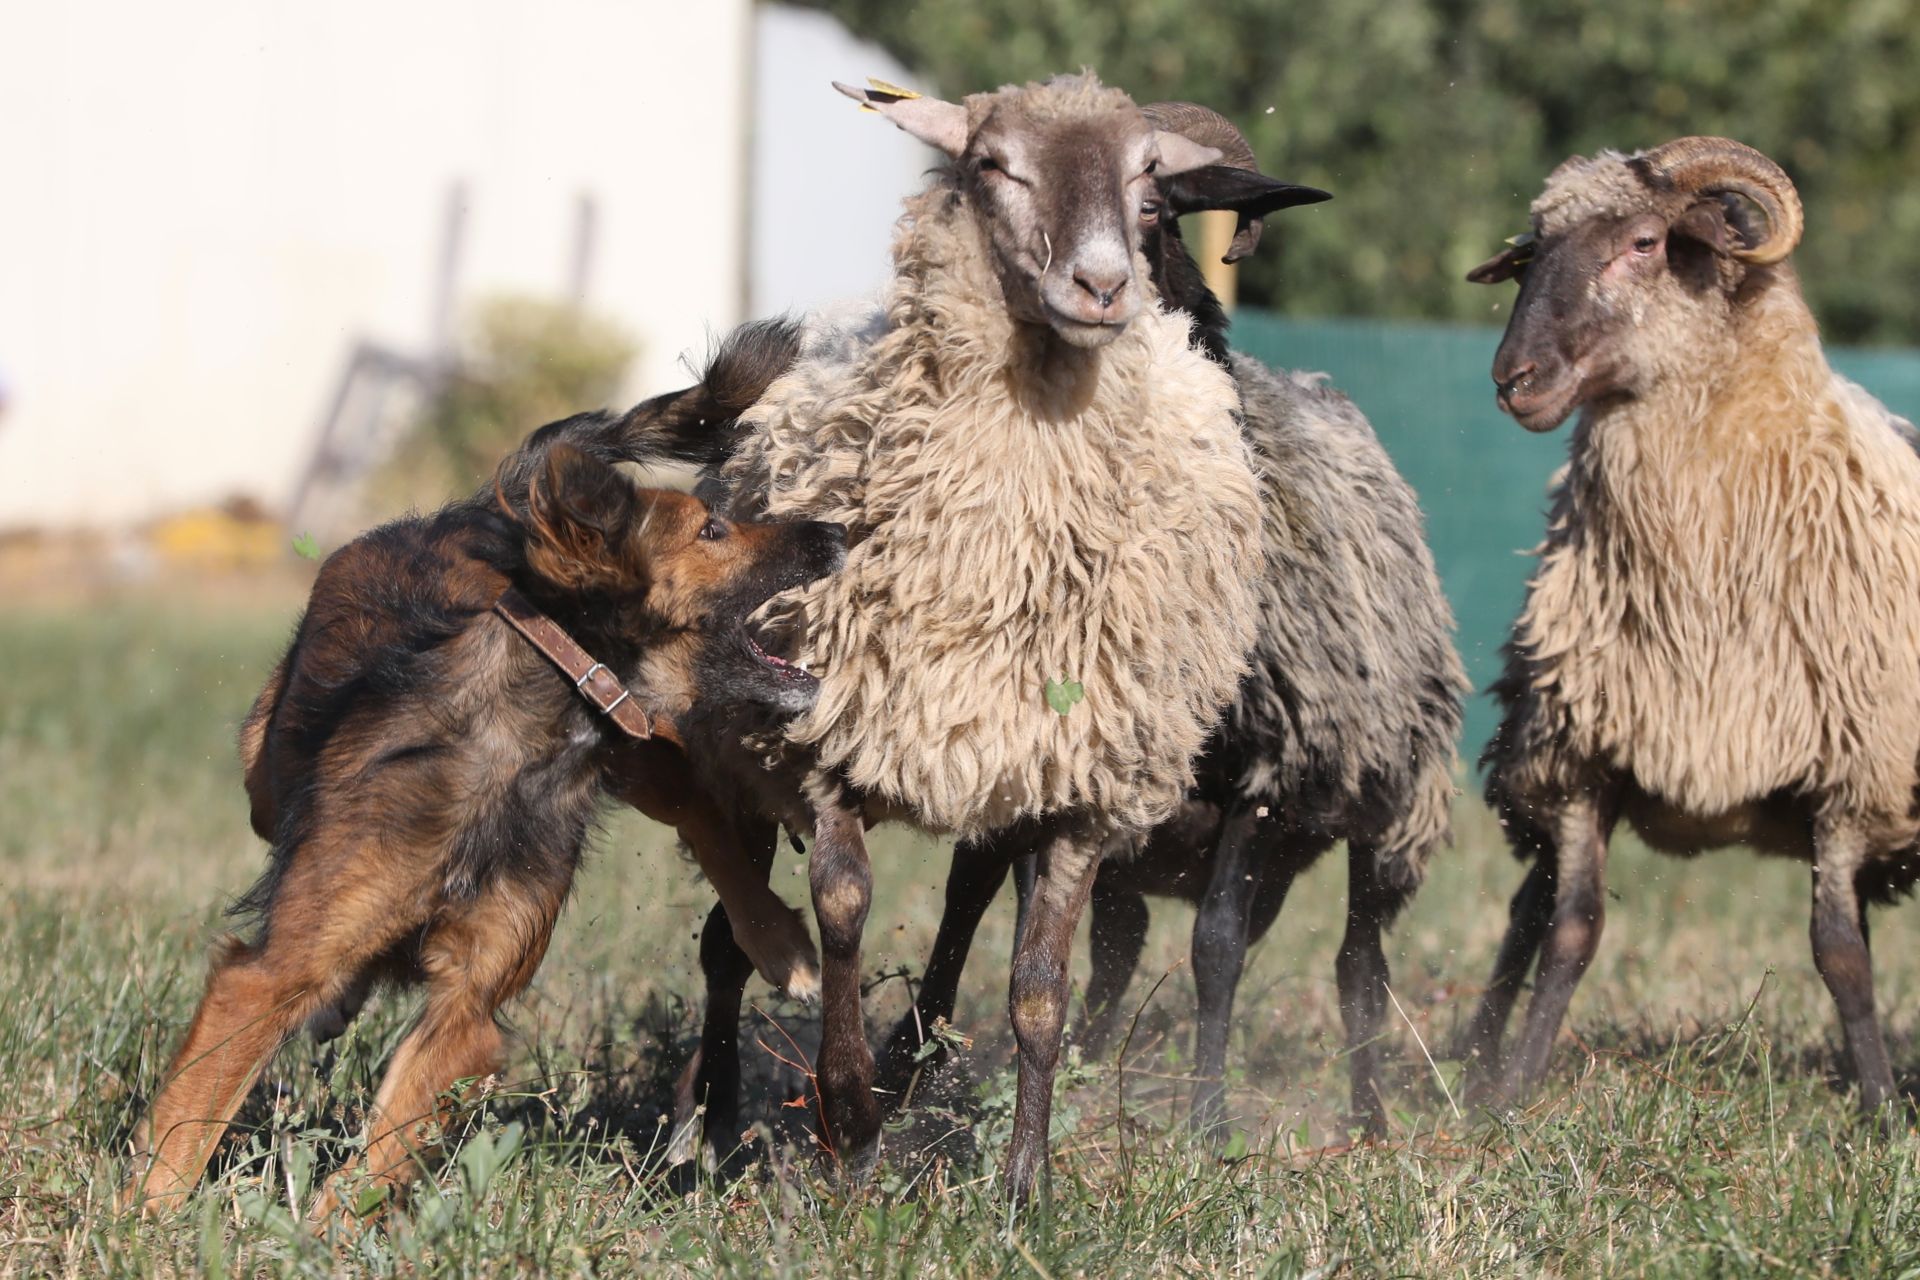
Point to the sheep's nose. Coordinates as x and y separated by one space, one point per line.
1512 382
1104 286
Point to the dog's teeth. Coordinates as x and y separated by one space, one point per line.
801 665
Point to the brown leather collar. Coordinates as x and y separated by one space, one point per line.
595 682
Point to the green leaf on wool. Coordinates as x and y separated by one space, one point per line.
1063 693
305 546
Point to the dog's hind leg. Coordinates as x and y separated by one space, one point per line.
317 942
252 1003
475 960
842 882
1528 917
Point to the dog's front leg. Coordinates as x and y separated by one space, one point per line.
657 780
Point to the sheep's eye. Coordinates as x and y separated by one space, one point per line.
713 531
1151 166
1150 212
1646 244
988 164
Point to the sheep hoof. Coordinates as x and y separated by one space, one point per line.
858 1163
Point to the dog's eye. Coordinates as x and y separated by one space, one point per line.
713 531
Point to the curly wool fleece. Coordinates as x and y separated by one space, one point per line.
1727 602
1349 718
1018 511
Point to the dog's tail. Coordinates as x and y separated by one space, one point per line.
253 749
698 426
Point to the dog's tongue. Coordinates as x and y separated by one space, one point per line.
774 659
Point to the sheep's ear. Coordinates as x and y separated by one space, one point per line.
1180 154
1249 193
1506 264
581 511
1705 223
936 123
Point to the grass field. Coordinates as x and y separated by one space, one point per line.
1693 1124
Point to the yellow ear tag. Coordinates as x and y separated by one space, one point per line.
893 90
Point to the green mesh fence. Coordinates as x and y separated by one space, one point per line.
1481 479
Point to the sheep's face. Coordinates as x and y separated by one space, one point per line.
1630 280
1060 203
1600 308
1058 176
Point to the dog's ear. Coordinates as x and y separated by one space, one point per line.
581 516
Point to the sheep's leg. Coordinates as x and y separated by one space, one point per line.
1573 935
712 1078
1528 917
1361 970
1840 952
842 883
1026 875
1219 955
1037 994
978 870
1116 934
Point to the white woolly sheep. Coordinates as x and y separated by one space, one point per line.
1041 481
1344 728
1721 642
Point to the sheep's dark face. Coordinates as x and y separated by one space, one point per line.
1582 294
1058 175
1060 201
1634 276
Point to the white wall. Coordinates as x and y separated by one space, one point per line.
827 177
203 202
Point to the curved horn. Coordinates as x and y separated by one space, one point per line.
1205 126
1709 165
1251 198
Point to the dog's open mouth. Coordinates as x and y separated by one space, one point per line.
766 643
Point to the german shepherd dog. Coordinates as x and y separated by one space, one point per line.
428 777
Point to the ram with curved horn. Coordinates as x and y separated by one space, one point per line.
1721 642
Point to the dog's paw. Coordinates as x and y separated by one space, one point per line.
782 952
803 984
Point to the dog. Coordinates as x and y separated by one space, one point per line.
427 772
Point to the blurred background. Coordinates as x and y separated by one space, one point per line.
276 270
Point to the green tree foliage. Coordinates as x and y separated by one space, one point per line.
1433 122
522 362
